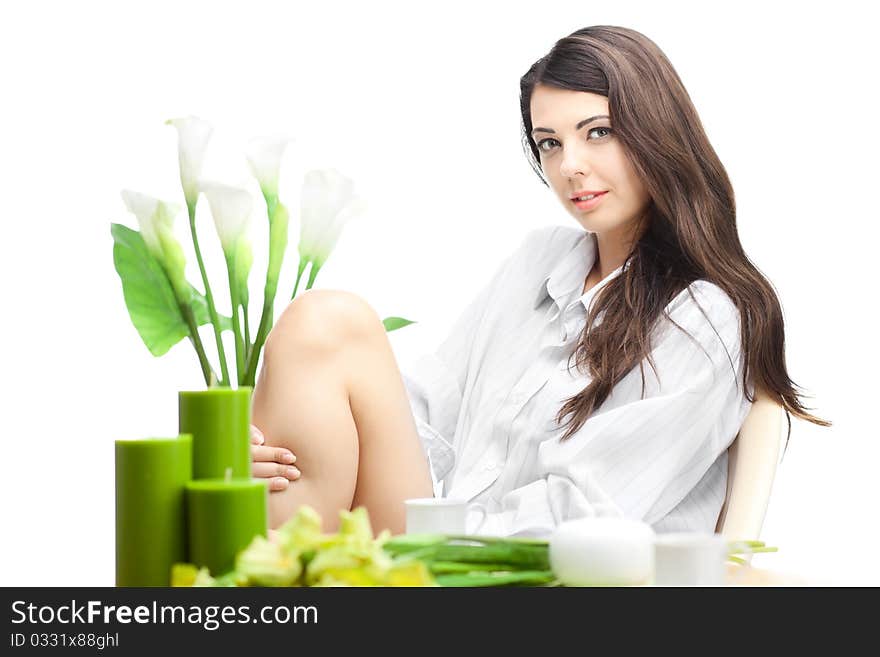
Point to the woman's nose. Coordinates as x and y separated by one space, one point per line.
574 162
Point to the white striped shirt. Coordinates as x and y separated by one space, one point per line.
485 402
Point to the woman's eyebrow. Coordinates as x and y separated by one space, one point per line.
580 124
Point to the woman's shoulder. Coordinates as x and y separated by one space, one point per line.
705 305
707 295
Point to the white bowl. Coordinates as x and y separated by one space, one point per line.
603 552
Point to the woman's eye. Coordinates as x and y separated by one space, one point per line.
541 143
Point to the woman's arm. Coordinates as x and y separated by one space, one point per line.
751 470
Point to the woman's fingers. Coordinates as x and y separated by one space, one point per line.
272 463
272 454
275 483
260 452
265 470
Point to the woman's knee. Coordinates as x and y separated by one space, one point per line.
323 320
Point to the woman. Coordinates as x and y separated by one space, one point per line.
672 327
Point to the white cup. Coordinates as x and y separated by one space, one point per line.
435 515
690 559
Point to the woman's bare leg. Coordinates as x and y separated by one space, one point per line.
330 391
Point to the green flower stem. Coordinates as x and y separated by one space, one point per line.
212 311
313 274
236 327
278 219
262 331
247 331
302 267
196 341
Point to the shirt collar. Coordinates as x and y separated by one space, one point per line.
566 280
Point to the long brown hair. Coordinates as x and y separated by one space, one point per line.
688 233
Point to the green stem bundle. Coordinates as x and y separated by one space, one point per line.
278 220
196 341
215 322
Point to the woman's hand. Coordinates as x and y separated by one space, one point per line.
272 463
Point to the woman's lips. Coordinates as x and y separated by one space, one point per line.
589 205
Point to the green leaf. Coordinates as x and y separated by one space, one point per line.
519 557
404 543
394 323
149 297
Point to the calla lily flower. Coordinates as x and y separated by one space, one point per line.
231 209
328 203
193 135
264 157
156 221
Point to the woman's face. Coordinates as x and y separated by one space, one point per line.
578 154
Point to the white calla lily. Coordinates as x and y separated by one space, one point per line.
193 135
328 203
231 209
327 240
156 222
264 157
144 209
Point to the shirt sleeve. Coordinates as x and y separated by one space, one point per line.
436 382
639 459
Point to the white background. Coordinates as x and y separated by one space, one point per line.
420 107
